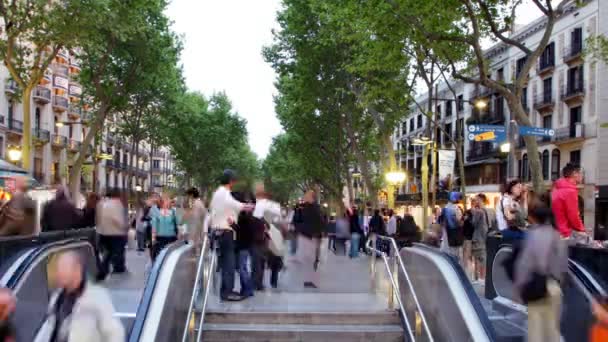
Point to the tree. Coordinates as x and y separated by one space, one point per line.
125 50
35 32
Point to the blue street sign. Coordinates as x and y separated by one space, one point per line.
493 133
536 131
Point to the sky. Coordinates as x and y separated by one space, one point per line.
223 42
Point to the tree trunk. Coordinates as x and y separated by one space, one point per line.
74 183
361 161
26 142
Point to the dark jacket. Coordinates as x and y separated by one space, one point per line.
408 232
59 214
312 221
245 231
18 216
376 225
87 218
353 220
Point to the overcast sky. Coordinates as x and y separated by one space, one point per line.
223 40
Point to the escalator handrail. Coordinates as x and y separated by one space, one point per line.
149 288
593 287
468 288
32 255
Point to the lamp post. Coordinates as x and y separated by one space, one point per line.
393 178
14 153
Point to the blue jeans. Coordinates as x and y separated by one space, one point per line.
509 235
227 262
245 273
354 245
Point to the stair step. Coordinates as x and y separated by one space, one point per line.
301 332
320 318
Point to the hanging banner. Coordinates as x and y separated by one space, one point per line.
447 159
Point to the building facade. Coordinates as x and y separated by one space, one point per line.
59 125
566 92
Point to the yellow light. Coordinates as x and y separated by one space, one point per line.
59 124
481 104
14 154
325 205
505 148
395 177
138 188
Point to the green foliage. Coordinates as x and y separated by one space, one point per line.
597 47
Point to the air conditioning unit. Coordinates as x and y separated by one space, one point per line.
578 129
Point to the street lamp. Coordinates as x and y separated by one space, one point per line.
14 153
138 188
395 177
505 147
480 104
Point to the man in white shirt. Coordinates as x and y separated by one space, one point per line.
224 211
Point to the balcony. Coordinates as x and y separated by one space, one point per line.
488 117
157 169
543 69
41 95
41 136
74 145
573 54
63 55
74 65
11 88
61 70
573 93
481 151
482 92
544 103
15 126
158 154
75 110
60 104
59 141
572 134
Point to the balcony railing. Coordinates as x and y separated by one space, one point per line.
573 53
61 70
75 110
489 117
545 68
481 151
15 125
42 135
60 103
573 92
572 133
109 163
481 92
60 140
41 95
544 102
158 154
11 87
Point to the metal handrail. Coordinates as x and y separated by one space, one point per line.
211 271
195 291
394 285
409 283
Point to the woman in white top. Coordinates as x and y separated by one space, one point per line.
512 210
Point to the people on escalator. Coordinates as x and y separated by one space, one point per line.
452 227
512 210
564 202
18 215
79 310
195 218
309 240
59 213
224 211
112 228
165 226
407 232
7 307
484 221
540 267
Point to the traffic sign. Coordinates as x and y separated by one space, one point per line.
493 133
536 131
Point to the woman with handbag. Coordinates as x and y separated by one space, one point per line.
540 267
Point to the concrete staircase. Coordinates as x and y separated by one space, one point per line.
304 327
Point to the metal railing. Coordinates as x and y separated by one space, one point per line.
394 290
202 281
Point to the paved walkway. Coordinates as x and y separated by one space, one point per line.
345 286
126 289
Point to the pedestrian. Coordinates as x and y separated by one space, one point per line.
309 238
356 231
245 233
141 224
484 221
452 226
224 211
195 219
112 229
59 213
165 226
87 218
79 310
269 212
407 232
564 199
18 215
512 210
391 226
540 267
342 234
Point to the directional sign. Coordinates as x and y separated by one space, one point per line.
536 131
493 133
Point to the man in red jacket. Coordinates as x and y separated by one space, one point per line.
564 201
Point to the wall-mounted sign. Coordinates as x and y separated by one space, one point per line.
493 133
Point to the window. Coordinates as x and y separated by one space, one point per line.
448 129
499 108
2 146
419 119
576 116
525 171
71 131
575 157
575 80
460 127
520 65
460 103
547 89
438 111
547 59
500 74
411 124
524 98
404 128
156 164
37 119
547 123
555 156
448 108
576 39
545 164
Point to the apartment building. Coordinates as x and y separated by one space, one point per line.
566 92
59 125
